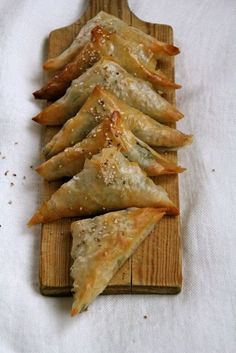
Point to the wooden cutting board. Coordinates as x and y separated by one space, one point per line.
156 265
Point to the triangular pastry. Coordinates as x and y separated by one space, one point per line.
134 91
134 58
112 24
102 103
108 182
111 132
101 245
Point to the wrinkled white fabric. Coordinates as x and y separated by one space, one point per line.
202 317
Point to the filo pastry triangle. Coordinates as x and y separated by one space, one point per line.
109 181
112 24
100 247
111 132
135 59
100 104
134 91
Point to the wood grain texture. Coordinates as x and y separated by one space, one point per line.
156 266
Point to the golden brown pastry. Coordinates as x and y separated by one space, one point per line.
134 58
108 182
102 103
134 91
111 132
112 24
100 247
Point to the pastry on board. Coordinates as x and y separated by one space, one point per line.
107 73
135 59
99 105
112 112
111 132
112 24
108 182
101 245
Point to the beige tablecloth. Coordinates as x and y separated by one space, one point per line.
202 317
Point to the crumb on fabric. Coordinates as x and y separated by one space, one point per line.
12 184
213 170
9 202
14 174
145 316
6 172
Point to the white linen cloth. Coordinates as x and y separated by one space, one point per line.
202 317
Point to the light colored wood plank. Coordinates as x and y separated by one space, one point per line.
156 266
